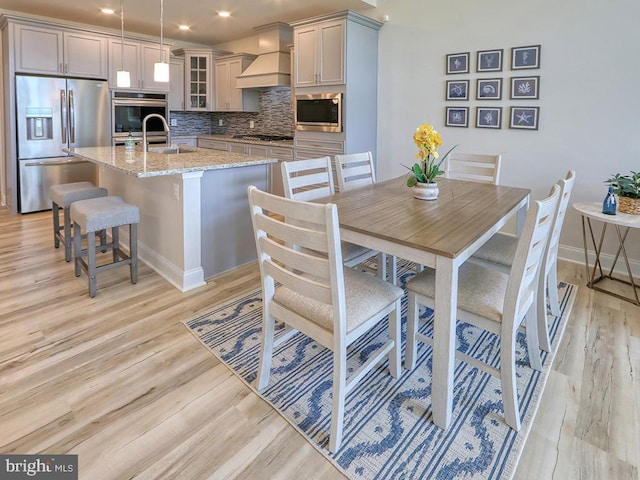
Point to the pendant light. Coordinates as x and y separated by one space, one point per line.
123 78
161 69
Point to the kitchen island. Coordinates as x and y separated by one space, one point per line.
194 212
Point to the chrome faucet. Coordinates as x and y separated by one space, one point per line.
144 130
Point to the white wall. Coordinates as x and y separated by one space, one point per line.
589 108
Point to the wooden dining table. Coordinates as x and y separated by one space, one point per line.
441 234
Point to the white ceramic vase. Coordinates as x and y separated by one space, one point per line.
426 191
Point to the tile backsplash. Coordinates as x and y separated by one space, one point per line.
275 117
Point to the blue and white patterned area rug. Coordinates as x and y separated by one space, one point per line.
388 433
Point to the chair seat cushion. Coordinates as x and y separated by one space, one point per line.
481 290
99 213
500 249
65 194
365 295
351 251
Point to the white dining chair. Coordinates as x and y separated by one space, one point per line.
494 301
316 295
473 167
499 252
354 170
308 180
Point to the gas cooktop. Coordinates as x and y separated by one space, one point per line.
263 138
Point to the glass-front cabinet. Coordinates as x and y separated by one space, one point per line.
198 79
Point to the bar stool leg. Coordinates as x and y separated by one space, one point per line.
133 251
67 234
115 238
77 248
91 253
56 223
103 240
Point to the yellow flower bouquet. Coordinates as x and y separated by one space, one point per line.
428 140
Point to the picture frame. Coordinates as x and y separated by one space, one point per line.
457 63
489 117
457 90
525 57
525 88
456 116
524 118
489 60
489 89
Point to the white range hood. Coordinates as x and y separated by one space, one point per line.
272 67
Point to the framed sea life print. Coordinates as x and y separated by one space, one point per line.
458 63
525 118
456 116
525 87
489 61
488 89
489 117
457 89
525 57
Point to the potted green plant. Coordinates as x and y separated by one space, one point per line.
627 188
423 173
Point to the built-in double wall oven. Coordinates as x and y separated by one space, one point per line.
128 110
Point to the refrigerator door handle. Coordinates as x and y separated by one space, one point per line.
63 115
72 118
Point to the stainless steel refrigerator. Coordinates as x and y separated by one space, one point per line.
52 114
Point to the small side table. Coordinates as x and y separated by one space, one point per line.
622 222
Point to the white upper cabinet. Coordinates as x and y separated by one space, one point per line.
228 97
150 54
319 54
131 51
176 84
139 58
50 51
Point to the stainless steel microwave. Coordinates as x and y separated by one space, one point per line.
321 112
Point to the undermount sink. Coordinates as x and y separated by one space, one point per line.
172 149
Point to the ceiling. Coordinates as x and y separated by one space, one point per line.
207 28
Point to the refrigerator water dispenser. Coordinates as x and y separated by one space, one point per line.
39 123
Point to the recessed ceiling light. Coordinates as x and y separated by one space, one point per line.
108 11
224 14
183 27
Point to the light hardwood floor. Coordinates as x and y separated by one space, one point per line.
119 381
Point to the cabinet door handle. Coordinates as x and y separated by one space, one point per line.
60 68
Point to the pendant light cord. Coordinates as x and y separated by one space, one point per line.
161 23
122 34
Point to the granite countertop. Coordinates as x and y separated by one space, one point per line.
152 164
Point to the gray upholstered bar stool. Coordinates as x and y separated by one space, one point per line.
96 214
62 196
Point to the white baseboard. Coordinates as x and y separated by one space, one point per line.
182 280
576 255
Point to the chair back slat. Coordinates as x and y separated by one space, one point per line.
298 234
303 261
309 287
